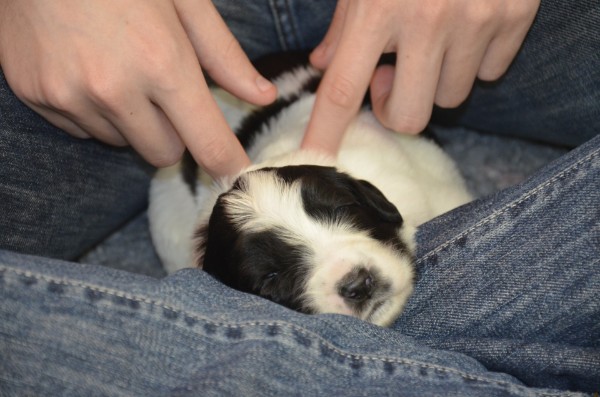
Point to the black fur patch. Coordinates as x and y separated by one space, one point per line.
253 123
332 196
259 263
189 171
265 264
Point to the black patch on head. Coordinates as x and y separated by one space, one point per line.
265 264
260 263
331 196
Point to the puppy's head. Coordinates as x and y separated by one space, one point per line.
313 239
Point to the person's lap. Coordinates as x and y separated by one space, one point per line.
528 313
59 195
508 280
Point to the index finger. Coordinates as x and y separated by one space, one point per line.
205 132
197 119
341 91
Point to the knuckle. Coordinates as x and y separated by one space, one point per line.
164 71
215 155
341 92
163 63
522 11
405 123
433 12
231 53
20 88
491 73
161 54
380 11
57 96
451 100
110 138
117 140
167 156
480 13
104 92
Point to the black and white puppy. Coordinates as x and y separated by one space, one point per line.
313 233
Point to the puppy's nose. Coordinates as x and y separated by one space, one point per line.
357 286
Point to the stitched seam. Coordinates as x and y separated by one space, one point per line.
510 206
293 29
293 327
278 27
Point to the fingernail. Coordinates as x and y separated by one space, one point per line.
263 84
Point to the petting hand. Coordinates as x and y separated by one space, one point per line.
442 46
128 72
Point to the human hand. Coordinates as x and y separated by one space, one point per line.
128 72
441 47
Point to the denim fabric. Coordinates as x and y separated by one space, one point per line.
60 195
506 301
266 26
506 304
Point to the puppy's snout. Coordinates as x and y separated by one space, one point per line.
357 286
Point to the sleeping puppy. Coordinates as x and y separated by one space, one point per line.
314 233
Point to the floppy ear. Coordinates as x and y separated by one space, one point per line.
372 197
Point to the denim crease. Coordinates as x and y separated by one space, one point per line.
506 295
184 339
189 333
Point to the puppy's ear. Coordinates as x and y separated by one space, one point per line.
372 197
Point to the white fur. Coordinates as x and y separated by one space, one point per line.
264 203
412 172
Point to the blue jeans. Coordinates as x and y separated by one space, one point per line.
507 297
506 304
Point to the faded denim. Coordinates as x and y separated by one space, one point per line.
506 301
506 304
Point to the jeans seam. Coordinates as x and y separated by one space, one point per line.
288 36
293 327
563 174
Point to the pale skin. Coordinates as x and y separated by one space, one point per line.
129 72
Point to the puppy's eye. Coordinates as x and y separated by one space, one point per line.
269 277
344 209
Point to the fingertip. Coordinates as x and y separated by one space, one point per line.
234 166
220 156
318 57
267 91
322 139
327 147
263 84
401 122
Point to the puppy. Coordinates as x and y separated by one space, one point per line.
314 233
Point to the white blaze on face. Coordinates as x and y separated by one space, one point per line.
346 253
333 250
